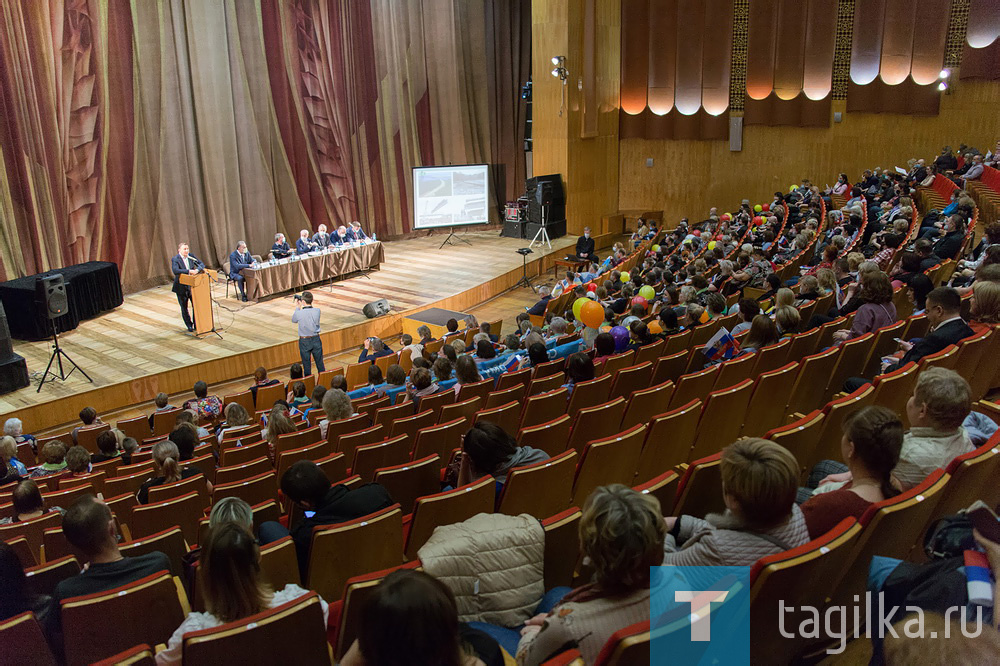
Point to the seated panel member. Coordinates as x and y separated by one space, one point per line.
355 233
239 259
584 247
304 245
339 237
280 249
321 238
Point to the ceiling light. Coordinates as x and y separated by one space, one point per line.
944 74
942 86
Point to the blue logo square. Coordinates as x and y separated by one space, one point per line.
699 615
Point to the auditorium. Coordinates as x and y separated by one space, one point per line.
499 332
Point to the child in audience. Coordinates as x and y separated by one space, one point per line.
166 459
107 446
162 402
466 372
940 402
316 402
233 587
411 618
873 437
421 384
299 397
129 447
579 368
759 481
763 333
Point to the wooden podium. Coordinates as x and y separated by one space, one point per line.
201 299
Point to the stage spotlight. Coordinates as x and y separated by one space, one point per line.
556 59
555 72
944 74
942 86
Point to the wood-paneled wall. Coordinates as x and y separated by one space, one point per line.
688 177
589 166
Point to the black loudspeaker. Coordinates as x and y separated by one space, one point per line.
13 369
513 229
546 191
376 308
50 291
555 229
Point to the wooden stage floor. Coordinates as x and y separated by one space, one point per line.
142 348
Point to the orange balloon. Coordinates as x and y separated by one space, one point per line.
654 327
592 314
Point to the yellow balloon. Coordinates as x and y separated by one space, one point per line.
792 188
758 208
656 248
625 276
711 245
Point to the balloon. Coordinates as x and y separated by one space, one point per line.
625 276
592 295
639 300
711 245
627 321
697 232
577 306
656 248
767 207
591 313
654 327
758 220
647 292
758 208
621 336
605 329
591 288
792 188
726 217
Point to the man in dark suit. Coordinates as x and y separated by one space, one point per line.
184 263
304 245
584 247
280 249
925 248
339 236
538 309
238 260
355 233
949 245
944 314
321 238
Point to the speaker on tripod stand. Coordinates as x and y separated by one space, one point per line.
50 291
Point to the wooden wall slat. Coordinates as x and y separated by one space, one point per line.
635 56
821 37
984 23
718 30
789 52
662 55
929 41
761 48
687 94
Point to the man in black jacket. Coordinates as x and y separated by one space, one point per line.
584 248
950 244
944 314
306 485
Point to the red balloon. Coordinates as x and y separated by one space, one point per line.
591 287
696 232
726 217
767 207
758 220
639 300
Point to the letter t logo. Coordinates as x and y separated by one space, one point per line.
701 616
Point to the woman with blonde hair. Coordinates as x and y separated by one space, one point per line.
336 406
236 417
278 423
232 587
787 320
985 305
166 461
622 534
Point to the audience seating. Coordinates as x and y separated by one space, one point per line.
721 419
631 379
23 641
87 436
596 422
670 367
694 384
663 488
669 440
699 492
348 444
626 646
253 490
605 461
552 437
22 549
369 458
541 489
447 508
170 542
182 511
158 599
31 530
164 421
502 397
589 393
433 403
410 480
348 549
543 408
439 439
545 384
43 578
167 491
464 411
410 425
337 429
357 590
768 402
644 404
562 547
831 432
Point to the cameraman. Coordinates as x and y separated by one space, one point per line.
310 344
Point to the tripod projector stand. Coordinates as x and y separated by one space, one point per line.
524 281
59 354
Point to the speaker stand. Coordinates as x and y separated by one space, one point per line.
542 237
448 240
58 353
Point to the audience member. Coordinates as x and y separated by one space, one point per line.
232 587
622 536
166 461
28 503
760 480
336 406
411 618
11 469
305 484
488 450
162 404
876 310
278 424
89 417
15 428
748 310
18 597
466 372
873 438
53 456
77 461
204 405
107 447
236 417
579 368
421 384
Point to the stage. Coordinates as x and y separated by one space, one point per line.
142 348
